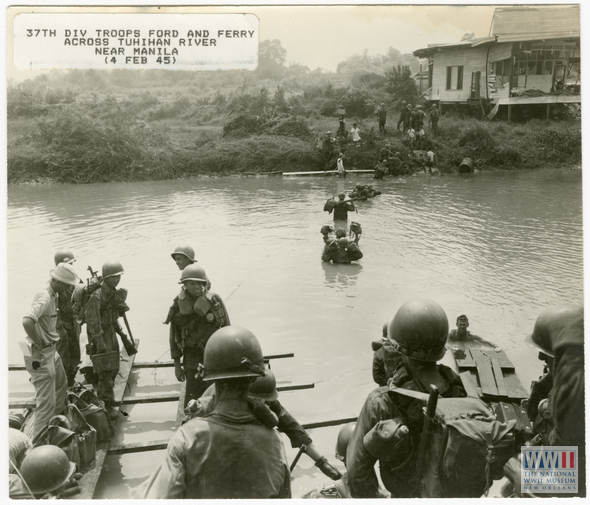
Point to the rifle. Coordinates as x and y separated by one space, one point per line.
426 429
127 342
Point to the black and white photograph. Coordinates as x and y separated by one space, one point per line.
261 251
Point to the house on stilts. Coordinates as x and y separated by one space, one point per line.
531 58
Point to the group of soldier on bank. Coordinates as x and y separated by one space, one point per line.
228 446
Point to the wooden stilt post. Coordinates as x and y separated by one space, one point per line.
509 112
548 109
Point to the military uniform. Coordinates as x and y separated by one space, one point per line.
68 346
191 326
381 404
227 454
101 314
338 255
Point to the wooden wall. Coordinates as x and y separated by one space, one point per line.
472 59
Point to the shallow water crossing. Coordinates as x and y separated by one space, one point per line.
498 247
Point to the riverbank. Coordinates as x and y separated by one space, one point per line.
73 143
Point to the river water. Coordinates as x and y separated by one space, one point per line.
498 247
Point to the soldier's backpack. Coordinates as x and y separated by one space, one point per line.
80 297
466 450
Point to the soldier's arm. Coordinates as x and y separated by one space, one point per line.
223 307
92 315
289 425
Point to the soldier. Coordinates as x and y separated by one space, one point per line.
42 361
389 424
68 345
102 310
194 316
341 251
229 453
183 256
385 359
559 336
382 115
461 334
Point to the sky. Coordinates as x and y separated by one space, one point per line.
325 35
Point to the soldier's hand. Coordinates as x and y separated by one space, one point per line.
179 372
328 469
100 346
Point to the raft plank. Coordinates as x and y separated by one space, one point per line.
502 391
486 378
89 480
469 384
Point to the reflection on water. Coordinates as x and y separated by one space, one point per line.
498 247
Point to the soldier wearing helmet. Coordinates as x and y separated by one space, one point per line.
43 361
183 256
419 332
229 453
264 403
45 472
102 311
194 316
382 116
342 250
385 358
68 345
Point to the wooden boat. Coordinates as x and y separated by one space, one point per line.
89 480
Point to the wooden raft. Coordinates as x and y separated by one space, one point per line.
489 375
90 479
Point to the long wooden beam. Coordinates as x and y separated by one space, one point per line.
29 403
155 364
163 443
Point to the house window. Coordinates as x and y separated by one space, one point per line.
455 77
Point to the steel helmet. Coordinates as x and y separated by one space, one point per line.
419 330
46 468
343 242
340 233
112 268
63 256
556 327
193 273
265 388
231 352
185 250
64 272
344 436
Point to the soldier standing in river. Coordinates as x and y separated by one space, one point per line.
194 316
102 311
68 345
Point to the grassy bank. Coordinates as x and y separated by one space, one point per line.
116 141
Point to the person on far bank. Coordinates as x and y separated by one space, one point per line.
389 426
461 334
433 119
43 361
380 169
404 117
341 128
68 345
229 453
102 311
382 115
194 316
432 160
356 135
340 166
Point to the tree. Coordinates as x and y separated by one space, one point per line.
271 59
401 85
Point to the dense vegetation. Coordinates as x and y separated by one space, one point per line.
91 126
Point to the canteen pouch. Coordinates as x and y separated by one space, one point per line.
85 436
94 413
201 306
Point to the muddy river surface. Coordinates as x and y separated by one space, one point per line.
498 247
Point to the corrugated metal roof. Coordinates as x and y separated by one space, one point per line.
433 48
528 23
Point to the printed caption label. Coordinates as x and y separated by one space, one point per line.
549 469
44 41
